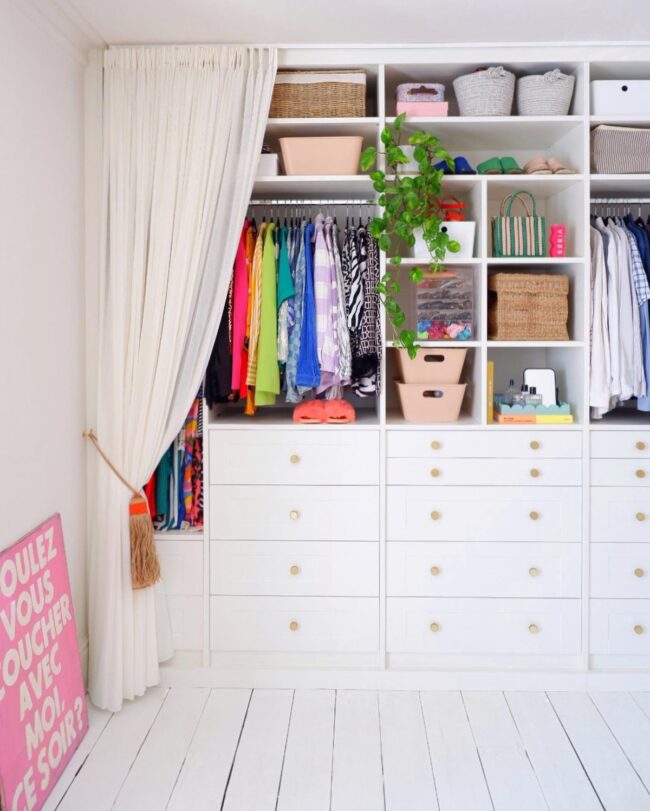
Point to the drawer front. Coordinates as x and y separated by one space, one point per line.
479 626
620 444
477 472
620 570
186 619
620 472
620 627
295 624
294 456
484 514
181 566
258 513
300 568
435 444
489 570
620 514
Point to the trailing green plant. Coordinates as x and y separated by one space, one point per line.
409 203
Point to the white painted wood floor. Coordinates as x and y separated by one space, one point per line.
346 750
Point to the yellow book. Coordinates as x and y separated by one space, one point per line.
490 392
554 419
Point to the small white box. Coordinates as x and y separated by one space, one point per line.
462 232
268 165
620 97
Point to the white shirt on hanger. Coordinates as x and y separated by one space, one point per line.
600 364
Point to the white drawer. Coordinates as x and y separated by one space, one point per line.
620 472
489 570
186 618
476 472
475 626
295 456
620 627
621 444
620 514
620 570
300 568
322 624
181 566
441 444
258 513
484 514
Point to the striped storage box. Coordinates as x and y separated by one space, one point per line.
620 150
519 235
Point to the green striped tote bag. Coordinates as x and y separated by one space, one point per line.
518 235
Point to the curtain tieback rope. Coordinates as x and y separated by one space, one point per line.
145 567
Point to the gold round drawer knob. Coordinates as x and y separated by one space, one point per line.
639 629
534 629
295 570
640 516
293 625
435 445
435 472
534 515
435 571
535 473
640 474
434 627
640 446
638 572
294 458
294 515
533 571
534 444
435 515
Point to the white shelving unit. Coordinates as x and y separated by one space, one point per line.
561 198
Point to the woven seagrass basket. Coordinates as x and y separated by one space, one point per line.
319 94
528 307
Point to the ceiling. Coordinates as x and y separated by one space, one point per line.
364 21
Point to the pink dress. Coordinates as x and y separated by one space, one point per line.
239 307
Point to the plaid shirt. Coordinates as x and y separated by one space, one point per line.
641 286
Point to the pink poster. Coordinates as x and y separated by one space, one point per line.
43 715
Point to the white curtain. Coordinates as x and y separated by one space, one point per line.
183 129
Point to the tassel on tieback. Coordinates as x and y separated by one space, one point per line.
145 566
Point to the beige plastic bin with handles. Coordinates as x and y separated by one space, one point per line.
431 365
431 402
321 155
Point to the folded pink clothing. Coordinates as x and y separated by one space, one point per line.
311 411
339 411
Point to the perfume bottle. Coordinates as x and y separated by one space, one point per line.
520 396
533 398
510 393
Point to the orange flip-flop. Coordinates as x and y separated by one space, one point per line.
310 412
339 411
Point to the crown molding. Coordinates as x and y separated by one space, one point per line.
64 25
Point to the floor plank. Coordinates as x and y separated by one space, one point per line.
643 700
458 773
97 720
510 776
101 778
357 771
408 779
204 775
307 773
615 781
565 785
256 773
151 779
631 728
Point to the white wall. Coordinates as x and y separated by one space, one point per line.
41 288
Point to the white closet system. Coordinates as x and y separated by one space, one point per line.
391 554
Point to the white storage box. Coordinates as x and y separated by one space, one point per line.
462 232
620 97
269 165
321 155
620 150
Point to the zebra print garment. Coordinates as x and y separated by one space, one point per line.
367 346
352 282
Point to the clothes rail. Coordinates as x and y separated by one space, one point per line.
284 202
619 201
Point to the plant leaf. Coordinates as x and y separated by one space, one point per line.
368 158
399 121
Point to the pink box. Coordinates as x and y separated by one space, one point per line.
424 108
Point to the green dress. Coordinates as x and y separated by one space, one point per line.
267 384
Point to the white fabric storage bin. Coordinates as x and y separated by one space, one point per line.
269 165
620 150
462 232
620 97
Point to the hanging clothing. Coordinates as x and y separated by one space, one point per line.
308 373
326 298
268 377
366 360
256 306
295 331
239 308
600 363
286 291
218 375
344 371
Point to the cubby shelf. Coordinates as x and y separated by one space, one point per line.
534 260
278 127
308 185
619 185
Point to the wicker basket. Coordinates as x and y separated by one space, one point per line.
485 92
545 94
319 94
528 307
